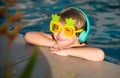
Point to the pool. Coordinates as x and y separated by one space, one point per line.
104 17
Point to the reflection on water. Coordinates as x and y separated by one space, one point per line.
104 17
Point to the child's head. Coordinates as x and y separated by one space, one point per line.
68 24
75 15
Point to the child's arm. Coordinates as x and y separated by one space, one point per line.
39 38
88 53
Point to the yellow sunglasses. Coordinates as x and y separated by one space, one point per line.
68 29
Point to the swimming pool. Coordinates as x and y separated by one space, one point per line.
104 17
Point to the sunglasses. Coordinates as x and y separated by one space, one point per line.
68 29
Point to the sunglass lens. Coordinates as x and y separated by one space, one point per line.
55 28
68 32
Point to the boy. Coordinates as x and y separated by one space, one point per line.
70 30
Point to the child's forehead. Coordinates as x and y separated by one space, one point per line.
62 23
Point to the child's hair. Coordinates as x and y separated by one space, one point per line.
74 14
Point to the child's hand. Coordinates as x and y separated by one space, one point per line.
57 47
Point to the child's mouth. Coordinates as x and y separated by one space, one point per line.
61 39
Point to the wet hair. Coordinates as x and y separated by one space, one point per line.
76 15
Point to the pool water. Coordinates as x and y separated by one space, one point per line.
104 17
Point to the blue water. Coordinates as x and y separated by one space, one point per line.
104 16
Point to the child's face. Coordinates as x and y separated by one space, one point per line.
63 40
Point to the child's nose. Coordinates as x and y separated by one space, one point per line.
60 33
